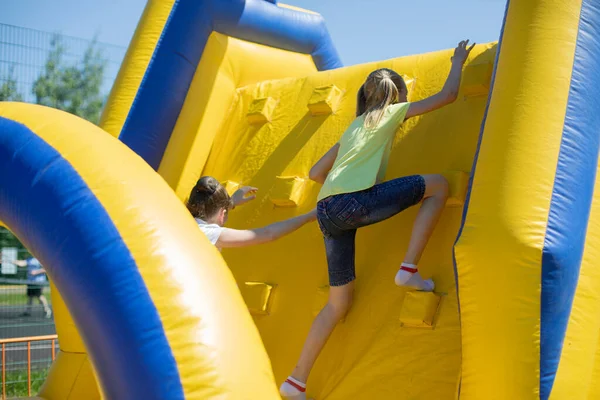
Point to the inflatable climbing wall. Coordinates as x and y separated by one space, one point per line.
253 92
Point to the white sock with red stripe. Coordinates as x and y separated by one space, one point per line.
293 389
409 276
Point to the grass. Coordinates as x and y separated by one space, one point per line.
16 382
17 295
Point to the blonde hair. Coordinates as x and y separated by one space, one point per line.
381 89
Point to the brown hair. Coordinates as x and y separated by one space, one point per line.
207 198
381 88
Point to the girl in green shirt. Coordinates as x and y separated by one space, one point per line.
353 196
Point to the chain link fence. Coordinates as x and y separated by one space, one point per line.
25 365
25 303
25 312
24 55
28 56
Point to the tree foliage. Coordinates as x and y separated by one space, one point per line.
72 88
9 90
7 239
75 88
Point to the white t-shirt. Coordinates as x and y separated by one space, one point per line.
212 231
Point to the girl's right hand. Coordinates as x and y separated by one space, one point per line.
461 52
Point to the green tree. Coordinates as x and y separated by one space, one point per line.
7 239
72 88
8 88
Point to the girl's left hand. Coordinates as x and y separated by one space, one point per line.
312 215
243 195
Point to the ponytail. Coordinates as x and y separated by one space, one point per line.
378 91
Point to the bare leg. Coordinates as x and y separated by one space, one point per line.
44 302
340 301
28 309
436 194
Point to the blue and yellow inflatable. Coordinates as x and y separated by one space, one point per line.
253 92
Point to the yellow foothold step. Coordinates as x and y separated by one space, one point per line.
261 110
477 78
458 182
258 297
325 100
288 191
419 309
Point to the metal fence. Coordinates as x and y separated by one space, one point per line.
27 331
24 52
25 303
25 364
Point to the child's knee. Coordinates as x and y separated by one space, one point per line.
444 189
436 185
340 307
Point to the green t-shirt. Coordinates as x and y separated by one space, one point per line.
364 154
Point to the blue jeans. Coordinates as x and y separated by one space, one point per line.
341 215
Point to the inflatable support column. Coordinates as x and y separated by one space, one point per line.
528 231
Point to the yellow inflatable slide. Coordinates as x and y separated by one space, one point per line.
253 92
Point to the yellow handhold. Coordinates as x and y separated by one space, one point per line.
419 309
288 191
231 186
261 110
257 296
325 100
477 78
458 182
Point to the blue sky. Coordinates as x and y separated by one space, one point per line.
363 30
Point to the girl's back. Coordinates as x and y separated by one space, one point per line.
364 153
